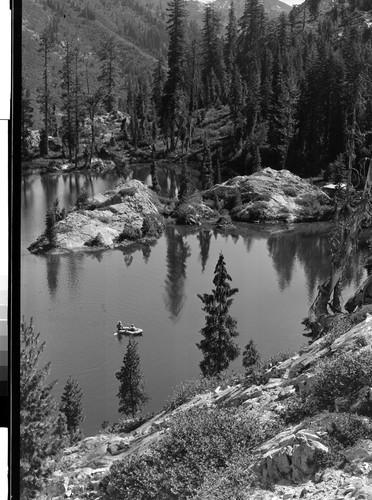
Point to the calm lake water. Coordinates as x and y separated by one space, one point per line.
77 299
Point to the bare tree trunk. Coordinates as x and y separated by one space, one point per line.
348 234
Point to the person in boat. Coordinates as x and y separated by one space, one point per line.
119 326
132 327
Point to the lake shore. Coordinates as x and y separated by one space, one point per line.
268 196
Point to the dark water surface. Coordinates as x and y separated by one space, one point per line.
77 299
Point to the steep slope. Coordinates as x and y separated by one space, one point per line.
299 461
90 29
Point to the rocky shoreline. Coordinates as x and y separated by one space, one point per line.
284 467
116 218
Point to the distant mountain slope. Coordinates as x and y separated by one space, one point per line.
71 20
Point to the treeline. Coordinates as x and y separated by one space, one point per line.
83 93
299 98
298 88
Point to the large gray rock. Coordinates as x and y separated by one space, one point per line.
274 196
289 456
124 207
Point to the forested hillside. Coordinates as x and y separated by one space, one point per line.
290 92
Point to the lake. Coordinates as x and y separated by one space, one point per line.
77 299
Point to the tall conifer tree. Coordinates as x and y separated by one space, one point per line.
72 407
37 413
26 117
131 393
174 99
46 45
218 346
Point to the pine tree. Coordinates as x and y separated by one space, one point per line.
174 98
218 346
107 75
313 6
67 79
212 61
72 407
231 47
37 413
44 95
236 98
131 391
158 79
26 118
252 31
50 230
184 182
207 168
251 357
93 102
154 180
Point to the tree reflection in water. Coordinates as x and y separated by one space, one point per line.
53 263
177 253
146 252
311 250
128 259
204 238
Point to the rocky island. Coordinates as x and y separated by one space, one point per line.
116 217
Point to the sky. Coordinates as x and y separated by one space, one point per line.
292 2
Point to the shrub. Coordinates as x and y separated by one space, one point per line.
306 200
297 409
232 482
126 425
96 241
278 358
152 226
185 391
129 233
290 191
342 377
344 431
82 200
198 441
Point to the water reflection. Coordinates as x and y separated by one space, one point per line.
204 238
283 250
97 255
128 259
146 252
53 263
74 268
178 250
311 250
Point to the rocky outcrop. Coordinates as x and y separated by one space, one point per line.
272 196
121 211
290 456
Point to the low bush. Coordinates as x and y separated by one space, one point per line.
96 241
126 425
231 482
277 358
342 377
82 200
185 391
297 408
198 442
290 191
344 431
129 233
152 226
306 200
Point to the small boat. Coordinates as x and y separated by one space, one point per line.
128 330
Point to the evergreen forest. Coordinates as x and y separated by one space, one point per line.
292 91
